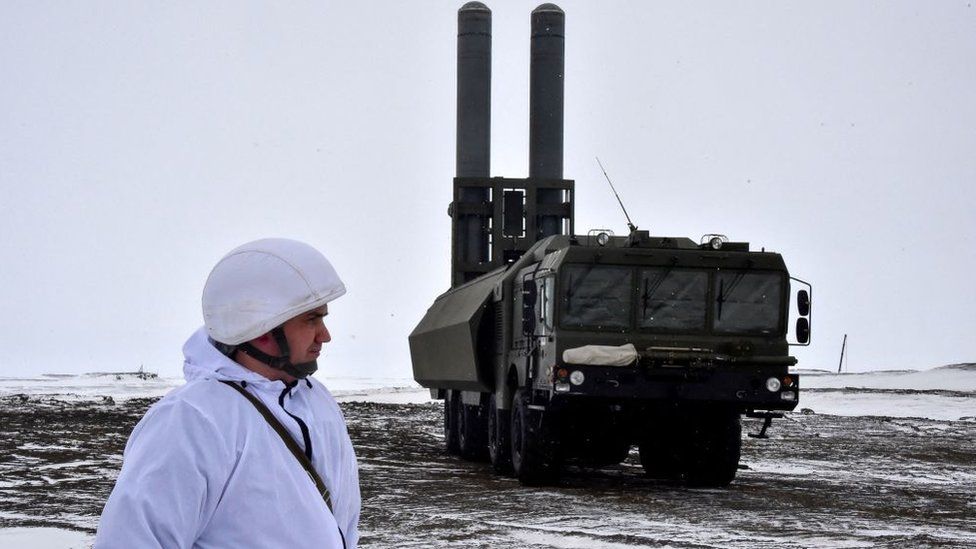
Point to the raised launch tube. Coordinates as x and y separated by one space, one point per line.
547 66
473 125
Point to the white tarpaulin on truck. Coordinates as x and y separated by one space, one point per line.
601 355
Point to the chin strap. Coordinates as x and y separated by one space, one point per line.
281 362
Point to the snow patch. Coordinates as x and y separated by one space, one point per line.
110 387
947 393
946 378
858 403
44 538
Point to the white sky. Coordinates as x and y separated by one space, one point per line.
141 141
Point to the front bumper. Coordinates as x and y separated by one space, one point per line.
742 386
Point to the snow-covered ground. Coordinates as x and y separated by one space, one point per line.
945 393
44 538
385 390
955 377
125 385
121 386
117 385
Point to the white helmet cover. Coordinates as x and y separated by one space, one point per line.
260 285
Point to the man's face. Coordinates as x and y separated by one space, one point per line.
306 333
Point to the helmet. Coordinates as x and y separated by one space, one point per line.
256 287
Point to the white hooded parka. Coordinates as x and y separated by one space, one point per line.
203 469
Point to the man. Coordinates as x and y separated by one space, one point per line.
204 468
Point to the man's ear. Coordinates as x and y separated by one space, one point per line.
266 343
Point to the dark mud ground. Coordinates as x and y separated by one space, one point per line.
819 481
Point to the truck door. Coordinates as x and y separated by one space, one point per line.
546 307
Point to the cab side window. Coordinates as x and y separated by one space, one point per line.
547 303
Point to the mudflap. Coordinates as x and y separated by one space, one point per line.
535 453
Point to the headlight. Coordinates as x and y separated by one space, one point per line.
773 385
715 243
577 377
602 239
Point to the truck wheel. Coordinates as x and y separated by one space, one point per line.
499 443
714 448
472 432
451 402
533 456
661 452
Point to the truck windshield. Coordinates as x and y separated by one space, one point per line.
747 302
672 299
597 296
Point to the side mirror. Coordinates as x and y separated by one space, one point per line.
803 329
804 324
803 303
529 296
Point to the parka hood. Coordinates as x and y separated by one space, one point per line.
203 361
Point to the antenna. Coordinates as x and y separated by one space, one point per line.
629 224
843 347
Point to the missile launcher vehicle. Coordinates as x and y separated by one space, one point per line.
552 347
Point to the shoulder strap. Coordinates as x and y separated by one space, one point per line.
286 438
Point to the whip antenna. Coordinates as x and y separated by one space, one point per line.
629 224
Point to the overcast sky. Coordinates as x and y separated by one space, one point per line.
140 141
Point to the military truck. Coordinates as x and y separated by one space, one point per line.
553 347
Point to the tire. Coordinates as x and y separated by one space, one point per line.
714 449
499 441
450 422
472 432
662 450
702 448
533 450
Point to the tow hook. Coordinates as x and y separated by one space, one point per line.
768 417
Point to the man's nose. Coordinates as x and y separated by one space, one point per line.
323 335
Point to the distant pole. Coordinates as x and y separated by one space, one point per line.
843 347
